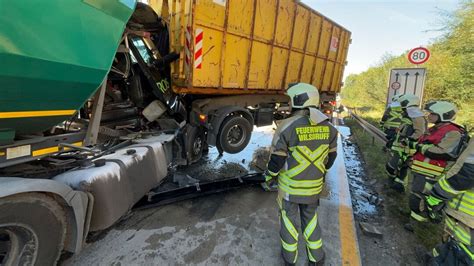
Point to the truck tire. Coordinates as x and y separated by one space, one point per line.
32 229
234 134
195 145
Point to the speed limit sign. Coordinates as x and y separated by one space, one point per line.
418 55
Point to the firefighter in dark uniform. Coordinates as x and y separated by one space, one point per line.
303 149
436 151
391 120
454 194
413 126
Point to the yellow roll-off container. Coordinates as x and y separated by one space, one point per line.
252 46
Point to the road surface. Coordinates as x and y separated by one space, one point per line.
238 227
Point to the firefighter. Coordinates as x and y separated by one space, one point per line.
454 193
435 150
303 148
391 120
413 126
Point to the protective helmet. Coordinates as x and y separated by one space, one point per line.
445 110
395 98
303 95
407 100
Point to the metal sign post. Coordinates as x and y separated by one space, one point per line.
406 80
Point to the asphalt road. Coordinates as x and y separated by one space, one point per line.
232 228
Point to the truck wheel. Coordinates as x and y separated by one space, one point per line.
234 135
195 144
32 230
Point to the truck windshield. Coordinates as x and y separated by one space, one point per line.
143 50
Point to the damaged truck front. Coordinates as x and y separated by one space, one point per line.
100 98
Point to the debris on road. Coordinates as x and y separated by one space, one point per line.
184 180
370 230
260 159
372 198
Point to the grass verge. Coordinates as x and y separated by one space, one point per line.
396 204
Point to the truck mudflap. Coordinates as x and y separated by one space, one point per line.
119 180
196 189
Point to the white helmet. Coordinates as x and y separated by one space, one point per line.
303 95
395 98
446 111
407 100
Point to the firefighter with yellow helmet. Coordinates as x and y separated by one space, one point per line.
303 148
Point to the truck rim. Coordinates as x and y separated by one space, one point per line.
18 245
236 136
197 146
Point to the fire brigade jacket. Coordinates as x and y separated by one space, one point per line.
392 117
457 187
413 126
438 147
303 148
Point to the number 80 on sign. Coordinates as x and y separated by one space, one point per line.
418 55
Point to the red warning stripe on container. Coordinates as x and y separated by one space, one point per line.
198 40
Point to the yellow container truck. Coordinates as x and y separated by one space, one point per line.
252 47
237 58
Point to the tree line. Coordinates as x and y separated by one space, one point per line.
450 70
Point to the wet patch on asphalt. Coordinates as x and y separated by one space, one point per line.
365 200
376 207
214 166
364 197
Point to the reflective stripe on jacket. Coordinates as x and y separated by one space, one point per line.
411 128
306 145
392 117
457 186
444 139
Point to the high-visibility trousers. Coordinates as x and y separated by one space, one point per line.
289 213
458 245
397 169
420 187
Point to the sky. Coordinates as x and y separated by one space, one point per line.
379 26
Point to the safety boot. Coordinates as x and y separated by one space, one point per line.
318 263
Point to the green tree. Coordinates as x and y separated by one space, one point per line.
450 70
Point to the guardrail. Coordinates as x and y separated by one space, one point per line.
374 131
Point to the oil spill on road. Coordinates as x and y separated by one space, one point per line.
364 197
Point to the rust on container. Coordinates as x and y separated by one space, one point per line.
290 47
207 90
334 67
272 44
249 55
305 46
224 42
251 46
325 62
317 49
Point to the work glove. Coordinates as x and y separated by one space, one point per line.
270 184
434 207
421 148
269 175
412 144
